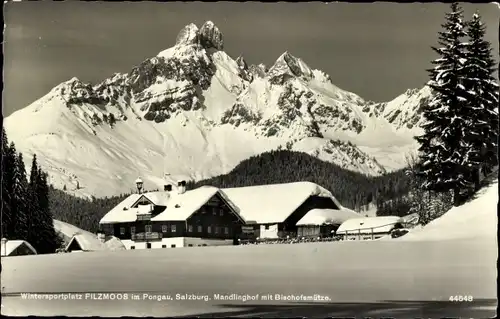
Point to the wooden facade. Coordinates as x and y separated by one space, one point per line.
214 220
322 231
289 226
313 202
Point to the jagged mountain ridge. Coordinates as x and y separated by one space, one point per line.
194 111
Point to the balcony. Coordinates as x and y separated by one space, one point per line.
152 236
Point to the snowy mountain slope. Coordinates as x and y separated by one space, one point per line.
194 111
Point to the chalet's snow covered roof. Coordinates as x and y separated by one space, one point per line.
273 203
12 245
122 212
159 198
260 204
67 231
92 243
181 206
382 224
328 216
87 243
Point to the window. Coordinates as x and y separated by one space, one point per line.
149 228
214 211
221 212
163 246
200 229
209 229
132 230
173 229
190 228
190 245
267 227
226 230
164 228
216 229
173 246
132 247
122 230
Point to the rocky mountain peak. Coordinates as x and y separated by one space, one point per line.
287 66
242 64
190 34
211 36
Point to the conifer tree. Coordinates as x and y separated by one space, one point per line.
20 208
441 145
10 165
48 238
33 202
483 97
7 164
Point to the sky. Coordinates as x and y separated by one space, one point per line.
376 50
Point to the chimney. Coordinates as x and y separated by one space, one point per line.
139 184
181 186
167 188
4 246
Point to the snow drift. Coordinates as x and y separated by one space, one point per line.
477 218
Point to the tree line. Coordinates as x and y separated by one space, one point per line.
83 213
26 213
354 190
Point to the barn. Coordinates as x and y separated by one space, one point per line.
16 248
369 228
273 211
323 222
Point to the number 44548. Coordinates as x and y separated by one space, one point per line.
460 298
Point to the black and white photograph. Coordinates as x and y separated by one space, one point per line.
250 159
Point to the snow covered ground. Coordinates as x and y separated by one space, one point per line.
413 276
358 272
475 219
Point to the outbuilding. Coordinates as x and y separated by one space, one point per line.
16 248
369 228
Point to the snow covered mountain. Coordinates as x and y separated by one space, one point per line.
194 111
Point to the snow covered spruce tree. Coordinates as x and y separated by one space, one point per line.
8 162
41 232
442 145
19 204
483 99
49 239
